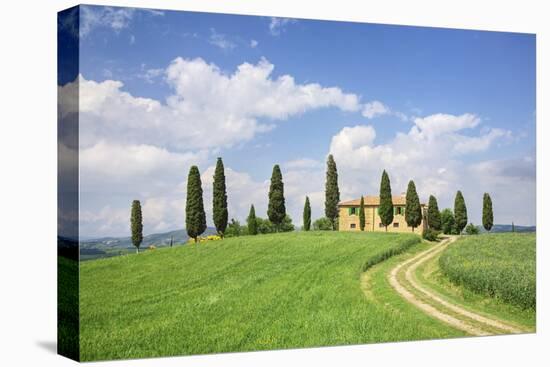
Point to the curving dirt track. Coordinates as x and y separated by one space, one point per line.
402 279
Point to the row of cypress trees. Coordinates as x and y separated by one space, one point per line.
459 215
413 212
195 220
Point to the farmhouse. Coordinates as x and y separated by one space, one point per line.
348 212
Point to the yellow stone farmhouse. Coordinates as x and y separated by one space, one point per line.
349 215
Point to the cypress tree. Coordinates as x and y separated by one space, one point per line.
434 216
461 214
332 193
136 224
362 214
276 210
385 209
413 211
195 217
219 199
307 215
252 222
487 212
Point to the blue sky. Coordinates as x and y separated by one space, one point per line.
400 96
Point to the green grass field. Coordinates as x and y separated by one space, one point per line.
247 293
497 265
67 306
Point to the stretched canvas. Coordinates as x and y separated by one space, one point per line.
232 183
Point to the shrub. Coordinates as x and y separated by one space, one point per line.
431 234
471 229
448 222
233 229
322 224
286 225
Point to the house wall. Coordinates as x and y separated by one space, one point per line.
372 221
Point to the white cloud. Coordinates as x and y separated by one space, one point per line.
220 40
204 99
435 125
376 108
132 39
278 25
430 153
480 143
253 43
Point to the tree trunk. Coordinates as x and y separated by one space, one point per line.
196 239
137 250
386 228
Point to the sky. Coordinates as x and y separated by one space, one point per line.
163 90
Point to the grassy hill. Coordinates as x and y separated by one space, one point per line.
298 289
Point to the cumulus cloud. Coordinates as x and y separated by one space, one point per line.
204 99
253 43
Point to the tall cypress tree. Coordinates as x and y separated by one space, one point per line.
362 214
332 193
219 199
487 212
307 215
385 209
136 224
195 217
461 214
413 211
252 222
276 210
434 216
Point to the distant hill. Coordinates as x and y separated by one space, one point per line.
113 246
500 228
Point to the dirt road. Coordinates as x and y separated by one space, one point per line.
402 279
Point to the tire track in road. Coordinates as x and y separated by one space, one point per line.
471 322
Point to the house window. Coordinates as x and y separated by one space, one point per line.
352 225
352 211
381 225
399 210
396 225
